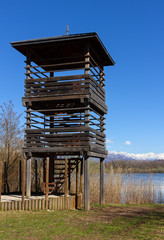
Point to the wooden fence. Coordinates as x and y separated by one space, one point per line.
54 203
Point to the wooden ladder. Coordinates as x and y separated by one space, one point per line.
59 171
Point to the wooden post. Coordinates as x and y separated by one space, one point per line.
47 180
51 170
69 175
86 184
81 176
102 181
28 160
28 178
51 74
36 176
0 179
23 181
87 59
51 167
102 76
102 166
66 184
77 181
86 160
77 177
44 170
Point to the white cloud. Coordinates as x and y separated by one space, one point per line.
127 156
127 143
109 141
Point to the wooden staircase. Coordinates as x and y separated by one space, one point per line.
59 174
59 171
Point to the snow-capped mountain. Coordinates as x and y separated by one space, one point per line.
131 156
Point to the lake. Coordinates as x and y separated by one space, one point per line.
158 180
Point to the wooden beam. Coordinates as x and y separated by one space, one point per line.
69 176
86 184
81 176
77 180
87 60
51 74
102 77
66 184
102 181
0 179
28 178
36 176
51 166
28 67
47 180
51 170
23 180
44 170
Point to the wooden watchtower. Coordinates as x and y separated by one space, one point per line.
65 105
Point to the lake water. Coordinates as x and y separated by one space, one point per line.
158 180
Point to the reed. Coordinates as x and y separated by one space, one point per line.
125 188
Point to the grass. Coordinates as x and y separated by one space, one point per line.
106 222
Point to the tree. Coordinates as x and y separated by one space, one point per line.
10 136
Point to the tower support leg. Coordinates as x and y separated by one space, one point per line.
23 180
102 181
28 178
47 180
66 184
86 184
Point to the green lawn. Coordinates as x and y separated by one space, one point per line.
107 222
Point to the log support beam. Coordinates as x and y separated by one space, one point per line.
81 176
47 180
66 184
69 176
86 184
36 176
23 181
51 170
28 178
102 181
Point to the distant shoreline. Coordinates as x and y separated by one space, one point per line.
137 166
131 166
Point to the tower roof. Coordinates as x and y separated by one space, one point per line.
66 48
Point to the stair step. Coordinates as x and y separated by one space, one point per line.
62 168
63 164
59 177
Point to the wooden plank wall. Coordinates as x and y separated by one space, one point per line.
56 203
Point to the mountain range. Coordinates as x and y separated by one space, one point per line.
131 156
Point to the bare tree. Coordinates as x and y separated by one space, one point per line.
10 136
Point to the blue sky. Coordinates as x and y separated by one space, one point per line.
133 33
